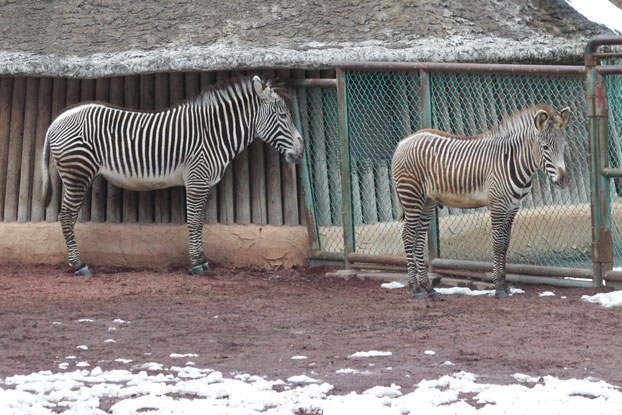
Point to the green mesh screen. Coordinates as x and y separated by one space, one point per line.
318 107
553 226
614 97
383 108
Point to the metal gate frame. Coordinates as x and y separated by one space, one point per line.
600 172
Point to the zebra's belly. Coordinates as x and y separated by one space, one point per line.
143 183
461 200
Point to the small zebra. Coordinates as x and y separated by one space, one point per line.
494 169
190 144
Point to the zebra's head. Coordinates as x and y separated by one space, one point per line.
274 123
551 144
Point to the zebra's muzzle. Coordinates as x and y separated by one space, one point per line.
562 179
293 158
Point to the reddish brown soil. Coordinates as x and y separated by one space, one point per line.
254 322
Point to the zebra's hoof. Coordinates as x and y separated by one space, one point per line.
196 270
500 293
84 272
205 266
434 295
418 295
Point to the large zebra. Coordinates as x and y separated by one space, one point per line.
190 144
494 169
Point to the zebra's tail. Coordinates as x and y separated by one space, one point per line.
398 205
46 180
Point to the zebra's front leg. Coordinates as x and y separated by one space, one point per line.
72 200
501 220
196 196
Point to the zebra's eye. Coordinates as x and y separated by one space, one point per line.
545 147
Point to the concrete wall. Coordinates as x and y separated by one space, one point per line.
136 245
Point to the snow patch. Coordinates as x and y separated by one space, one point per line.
371 353
468 291
612 299
430 352
178 355
526 378
392 285
547 294
81 391
299 357
82 347
302 379
599 11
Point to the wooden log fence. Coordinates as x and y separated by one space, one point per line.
259 187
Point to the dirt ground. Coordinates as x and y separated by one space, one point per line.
241 320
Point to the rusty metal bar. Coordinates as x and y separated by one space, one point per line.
312 83
464 67
613 275
610 172
609 70
594 43
522 269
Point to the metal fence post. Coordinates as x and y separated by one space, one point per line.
346 171
597 113
426 122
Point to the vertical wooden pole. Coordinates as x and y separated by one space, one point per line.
273 185
131 93
211 210
319 156
346 171
44 108
87 93
59 94
178 195
226 208
162 197
6 97
15 149
99 186
426 121
146 102
259 208
115 195
242 191
28 150
309 211
288 172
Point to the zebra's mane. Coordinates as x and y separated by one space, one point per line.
507 126
520 119
234 87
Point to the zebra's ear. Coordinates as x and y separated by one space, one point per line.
263 90
565 114
541 117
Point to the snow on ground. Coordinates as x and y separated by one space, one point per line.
599 11
612 299
468 291
547 294
189 390
392 285
371 353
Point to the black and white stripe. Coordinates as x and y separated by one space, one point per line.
494 169
190 145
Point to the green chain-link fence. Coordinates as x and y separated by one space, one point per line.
553 226
614 99
318 107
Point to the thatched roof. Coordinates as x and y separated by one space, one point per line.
115 37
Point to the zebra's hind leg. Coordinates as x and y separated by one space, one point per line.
72 200
196 196
421 230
